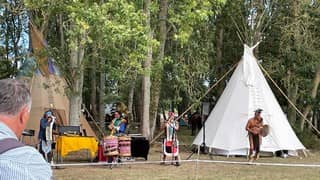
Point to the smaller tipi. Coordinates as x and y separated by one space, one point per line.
47 88
246 91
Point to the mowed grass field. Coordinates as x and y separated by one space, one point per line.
192 170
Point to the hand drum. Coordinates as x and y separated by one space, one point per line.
264 130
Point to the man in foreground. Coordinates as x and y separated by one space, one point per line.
17 161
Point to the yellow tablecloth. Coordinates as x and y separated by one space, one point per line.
66 144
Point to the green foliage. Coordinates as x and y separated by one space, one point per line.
115 29
13 50
112 32
190 46
309 139
291 45
186 14
114 36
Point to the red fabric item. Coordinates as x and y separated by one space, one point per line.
169 147
168 143
101 156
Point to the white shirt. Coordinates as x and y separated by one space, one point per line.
23 162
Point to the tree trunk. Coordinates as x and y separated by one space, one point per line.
313 118
76 100
219 48
316 82
61 32
75 109
101 100
76 58
146 83
93 90
219 57
293 96
316 119
156 84
130 99
139 104
145 106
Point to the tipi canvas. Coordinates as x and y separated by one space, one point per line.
246 91
48 93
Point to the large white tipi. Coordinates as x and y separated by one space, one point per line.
246 91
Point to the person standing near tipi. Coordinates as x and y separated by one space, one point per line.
254 126
47 125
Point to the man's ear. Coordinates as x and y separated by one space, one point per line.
24 115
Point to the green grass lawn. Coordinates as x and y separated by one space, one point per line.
194 170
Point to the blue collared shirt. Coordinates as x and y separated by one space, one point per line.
23 162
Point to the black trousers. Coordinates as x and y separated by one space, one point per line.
256 143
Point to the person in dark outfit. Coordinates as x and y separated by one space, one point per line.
47 125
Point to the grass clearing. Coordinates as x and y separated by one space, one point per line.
193 170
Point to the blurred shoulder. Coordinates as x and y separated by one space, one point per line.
28 160
25 155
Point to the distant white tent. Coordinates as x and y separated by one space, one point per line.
246 91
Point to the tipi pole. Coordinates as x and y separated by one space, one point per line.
287 98
94 122
32 80
199 99
197 162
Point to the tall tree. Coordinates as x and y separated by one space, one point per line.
146 84
111 25
157 72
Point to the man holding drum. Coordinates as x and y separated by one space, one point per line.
254 127
118 125
118 128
